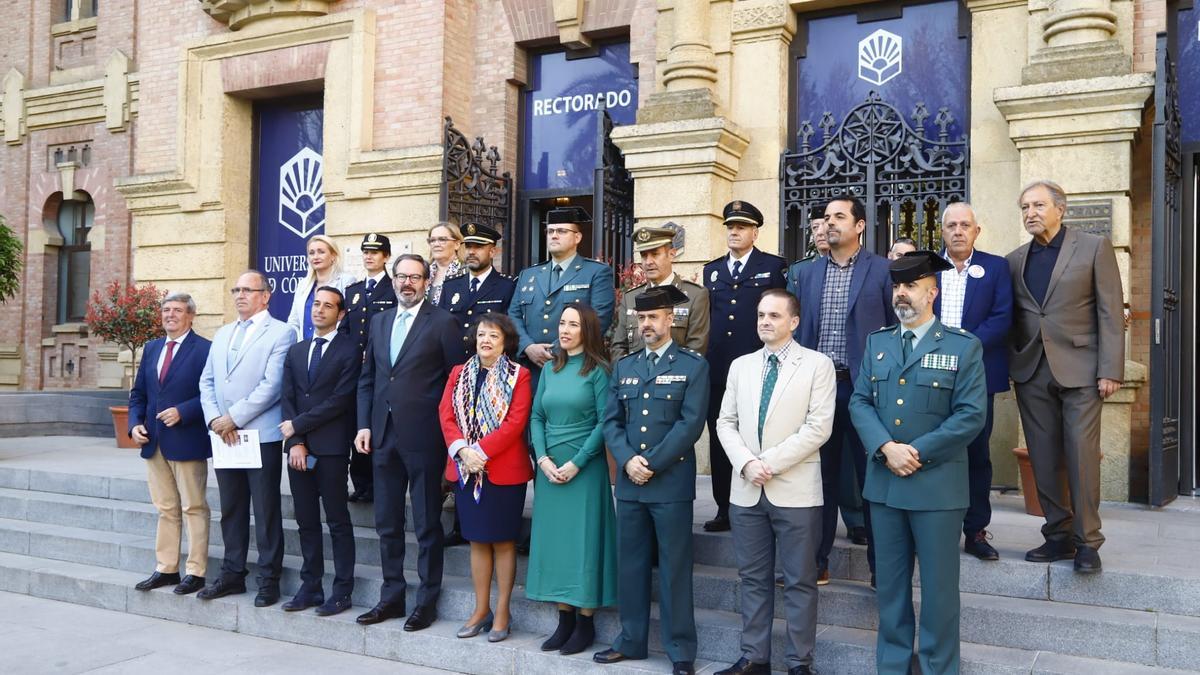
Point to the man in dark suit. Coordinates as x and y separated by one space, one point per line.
977 295
482 289
166 419
364 299
735 281
1067 355
842 300
410 352
656 405
320 384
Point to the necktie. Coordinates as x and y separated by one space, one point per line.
737 268
370 286
318 346
474 285
768 387
554 274
239 334
162 372
906 347
653 359
399 332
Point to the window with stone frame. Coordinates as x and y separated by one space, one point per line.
74 10
75 219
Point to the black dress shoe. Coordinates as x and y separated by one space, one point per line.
266 597
682 668
609 656
745 666
158 580
1087 560
978 546
303 601
221 588
454 538
858 536
365 496
718 524
334 606
381 612
190 584
421 618
1051 551
802 670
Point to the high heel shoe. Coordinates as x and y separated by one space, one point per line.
499 635
470 630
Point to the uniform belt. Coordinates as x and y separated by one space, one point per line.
842 374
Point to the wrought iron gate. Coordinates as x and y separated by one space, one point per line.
472 190
903 177
612 222
1165 325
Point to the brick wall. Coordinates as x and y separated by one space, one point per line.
1139 302
1149 17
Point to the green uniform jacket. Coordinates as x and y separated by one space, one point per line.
690 327
657 413
536 306
935 401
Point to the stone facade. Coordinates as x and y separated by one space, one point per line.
162 92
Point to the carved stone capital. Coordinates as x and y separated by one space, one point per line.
238 13
762 19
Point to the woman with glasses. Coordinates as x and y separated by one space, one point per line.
573 548
324 269
484 411
445 249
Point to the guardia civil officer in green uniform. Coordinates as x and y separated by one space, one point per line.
567 277
919 401
658 397
689 327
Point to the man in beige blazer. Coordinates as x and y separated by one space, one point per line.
776 414
1067 355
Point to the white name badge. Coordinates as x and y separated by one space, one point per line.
246 453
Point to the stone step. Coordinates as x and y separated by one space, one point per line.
839 649
1118 634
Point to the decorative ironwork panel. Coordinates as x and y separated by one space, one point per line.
472 189
904 175
1166 339
612 227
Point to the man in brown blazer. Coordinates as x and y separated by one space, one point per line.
1067 356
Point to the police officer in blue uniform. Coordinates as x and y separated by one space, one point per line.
919 401
365 299
545 289
734 282
658 397
481 289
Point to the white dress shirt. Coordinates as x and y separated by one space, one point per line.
162 355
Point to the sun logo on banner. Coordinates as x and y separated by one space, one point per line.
301 197
879 57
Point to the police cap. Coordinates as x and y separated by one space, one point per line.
568 215
376 242
738 211
659 297
474 233
650 238
917 265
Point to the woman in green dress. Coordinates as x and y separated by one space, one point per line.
573 547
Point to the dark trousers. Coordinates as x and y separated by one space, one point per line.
362 474
1062 427
244 490
398 473
324 483
640 526
979 467
831 478
722 471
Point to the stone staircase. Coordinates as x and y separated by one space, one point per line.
82 531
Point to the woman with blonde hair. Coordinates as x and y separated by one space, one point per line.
445 255
324 269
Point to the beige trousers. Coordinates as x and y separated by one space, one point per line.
177 489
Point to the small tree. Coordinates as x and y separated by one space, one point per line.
126 315
10 262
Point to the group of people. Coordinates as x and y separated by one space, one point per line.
841 365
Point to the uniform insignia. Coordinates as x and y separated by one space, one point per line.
576 287
763 275
471 228
629 380
713 276
373 238
643 235
976 271
454 300
736 206
670 379
682 312
354 301
879 356
940 361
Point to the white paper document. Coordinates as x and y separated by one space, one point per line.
245 454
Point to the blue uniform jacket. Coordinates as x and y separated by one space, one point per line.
187 440
535 306
988 315
494 295
733 308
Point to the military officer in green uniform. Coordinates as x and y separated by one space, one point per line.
918 403
658 397
689 327
545 289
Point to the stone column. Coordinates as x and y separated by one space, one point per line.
690 63
1078 39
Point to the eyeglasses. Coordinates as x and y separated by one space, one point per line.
553 231
439 240
238 290
411 278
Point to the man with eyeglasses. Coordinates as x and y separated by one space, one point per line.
565 279
240 388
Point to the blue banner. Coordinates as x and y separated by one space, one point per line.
291 198
917 58
1187 66
560 114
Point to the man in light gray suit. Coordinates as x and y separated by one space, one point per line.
1067 355
776 414
240 389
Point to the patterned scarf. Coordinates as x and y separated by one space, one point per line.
479 417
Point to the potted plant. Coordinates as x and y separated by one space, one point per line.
128 316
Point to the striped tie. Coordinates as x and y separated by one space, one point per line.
768 388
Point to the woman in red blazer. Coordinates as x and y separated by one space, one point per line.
484 412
